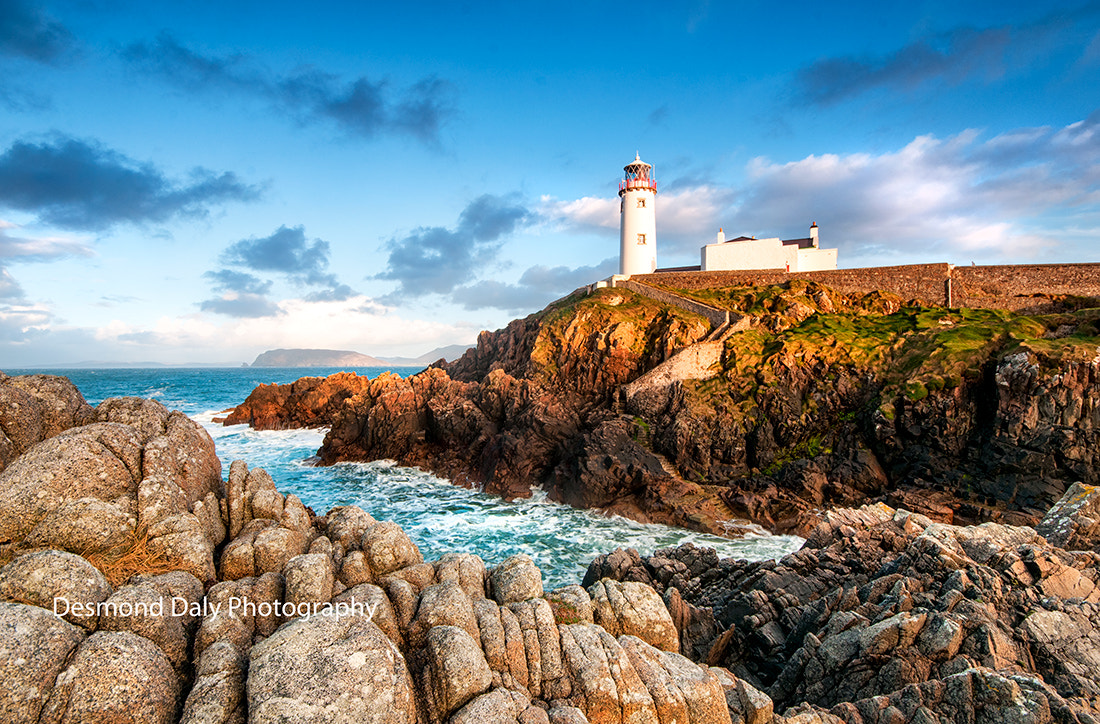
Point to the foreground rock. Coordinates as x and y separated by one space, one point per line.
35 407
883 617
137 476
886 616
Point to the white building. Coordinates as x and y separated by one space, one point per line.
638 219
638 237
745 253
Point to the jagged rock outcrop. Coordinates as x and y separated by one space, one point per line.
530 405
1074 521
306 402
886 616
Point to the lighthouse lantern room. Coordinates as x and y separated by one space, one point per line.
638 219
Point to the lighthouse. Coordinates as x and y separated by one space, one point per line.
638 219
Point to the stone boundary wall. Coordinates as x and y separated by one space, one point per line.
717 317
1022 287
1015 287
923 282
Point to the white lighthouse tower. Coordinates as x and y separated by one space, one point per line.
638 222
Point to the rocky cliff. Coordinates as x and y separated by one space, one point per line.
816 399
189 598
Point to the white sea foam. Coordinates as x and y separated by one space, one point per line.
439 517
442 517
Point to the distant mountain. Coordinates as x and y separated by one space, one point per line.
450 353
316 358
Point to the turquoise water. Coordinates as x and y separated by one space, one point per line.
438 516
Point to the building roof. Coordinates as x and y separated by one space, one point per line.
806 243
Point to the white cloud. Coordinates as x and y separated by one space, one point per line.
685 216
585 214
38 249
20 322
1020 196
357 323
933 197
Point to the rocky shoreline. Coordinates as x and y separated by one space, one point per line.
138 585
814 400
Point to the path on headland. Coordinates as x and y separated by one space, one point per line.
699 361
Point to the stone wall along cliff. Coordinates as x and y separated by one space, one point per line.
922 282
1022 287
1016 287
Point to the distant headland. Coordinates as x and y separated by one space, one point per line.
348 358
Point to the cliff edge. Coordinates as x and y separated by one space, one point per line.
816 399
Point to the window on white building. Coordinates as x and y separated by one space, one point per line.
641 238
641 203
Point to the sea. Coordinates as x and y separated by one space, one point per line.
438 516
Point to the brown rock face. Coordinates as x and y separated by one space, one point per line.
307 402
529 405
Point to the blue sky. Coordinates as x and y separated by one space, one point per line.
198 182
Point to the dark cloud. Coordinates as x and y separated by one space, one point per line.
950 58
79 185
537 287
227 280
659 115
287 252
26 32
241 305
362 107
437 260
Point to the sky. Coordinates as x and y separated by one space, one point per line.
199 182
